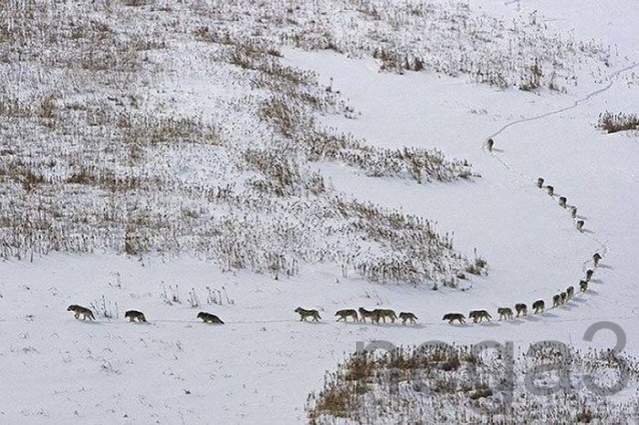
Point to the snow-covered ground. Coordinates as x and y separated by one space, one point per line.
260 366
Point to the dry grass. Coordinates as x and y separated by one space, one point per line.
446 384
613 123
92 160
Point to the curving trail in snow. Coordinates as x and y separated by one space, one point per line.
604 250
392 105
574 105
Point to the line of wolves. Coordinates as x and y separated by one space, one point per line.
477 315
563 202
382 314
134 315
375 315
522 309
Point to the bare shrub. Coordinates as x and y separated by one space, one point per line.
532 77
613 123
438 384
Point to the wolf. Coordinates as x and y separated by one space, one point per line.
562 201
345 314
540 182
79 310
556 300
454 316
583 285
521 308
383 313
506 312
596 258
209 318
570 292
479 315
564 297
580 225
364 314
589 274
407 316
550 190
134 314
489 144
539 305
307 313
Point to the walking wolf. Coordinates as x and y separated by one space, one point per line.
454 316
79 310
505 312
407 316
479 315
346 313
539 305
209 318
383 313
521 308
134 314
307 313
596 258
556 300
365 314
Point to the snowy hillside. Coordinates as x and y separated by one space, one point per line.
247 158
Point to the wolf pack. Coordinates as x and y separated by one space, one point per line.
134 315
539 306
563 202
477 316
381 314
374 315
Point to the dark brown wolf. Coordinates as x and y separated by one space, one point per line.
134 314
479 315
521 309
407 316
538 306
454 316
209 318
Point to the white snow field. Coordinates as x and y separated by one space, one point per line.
262 364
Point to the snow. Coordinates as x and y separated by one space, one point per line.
260 366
